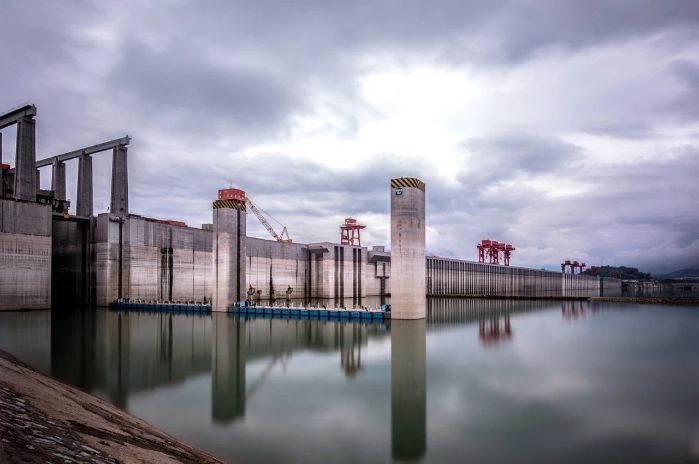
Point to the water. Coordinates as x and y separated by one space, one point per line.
480 381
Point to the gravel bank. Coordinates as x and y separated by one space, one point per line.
44 420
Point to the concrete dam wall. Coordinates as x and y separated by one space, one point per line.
50 258
171 263
110 257
451 277
25 255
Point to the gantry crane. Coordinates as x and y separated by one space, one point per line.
283 237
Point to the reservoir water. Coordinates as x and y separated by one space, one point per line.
480 381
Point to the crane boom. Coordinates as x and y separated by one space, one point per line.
267 225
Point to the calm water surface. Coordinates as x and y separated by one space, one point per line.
479 381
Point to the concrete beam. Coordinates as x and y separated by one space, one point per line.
84 201
58 180
15 115
25 162
123 141
120 183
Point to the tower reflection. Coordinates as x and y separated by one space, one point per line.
492 333
408 389
228 368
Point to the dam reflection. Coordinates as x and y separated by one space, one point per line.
118 355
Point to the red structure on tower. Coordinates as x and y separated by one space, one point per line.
490 250
349 232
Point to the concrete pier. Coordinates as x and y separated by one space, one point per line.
408 249
228 255
25 161
120 182
83 205
408 390
58 180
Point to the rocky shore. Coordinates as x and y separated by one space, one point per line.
43 420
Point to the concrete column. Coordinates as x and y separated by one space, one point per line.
120 183
83 205
228 254
408 390
25 162
58 180
408 289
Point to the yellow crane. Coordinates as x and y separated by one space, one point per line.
283 237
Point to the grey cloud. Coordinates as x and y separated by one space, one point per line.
191 78
187 90
686 105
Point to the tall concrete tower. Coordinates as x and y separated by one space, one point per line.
229 249
408 289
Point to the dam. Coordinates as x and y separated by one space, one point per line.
50 258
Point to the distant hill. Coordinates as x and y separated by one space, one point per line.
681 274
619 272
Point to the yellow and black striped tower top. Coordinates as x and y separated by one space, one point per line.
234 204
404 182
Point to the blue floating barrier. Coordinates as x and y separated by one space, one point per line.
355 314
286 312
276 312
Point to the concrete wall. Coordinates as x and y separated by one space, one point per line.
165 262
273 266
451 277
157 262
25 255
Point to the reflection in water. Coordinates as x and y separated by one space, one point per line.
408 389
228 365
491 333
573 310
321 388
237 341
351 349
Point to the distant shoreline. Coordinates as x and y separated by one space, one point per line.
43 419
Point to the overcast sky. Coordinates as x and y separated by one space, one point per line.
567 128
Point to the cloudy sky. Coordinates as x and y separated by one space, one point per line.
568 128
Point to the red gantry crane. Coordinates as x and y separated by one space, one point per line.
490 250
349 232
573 265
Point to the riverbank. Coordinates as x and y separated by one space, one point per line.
647 300
44 420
